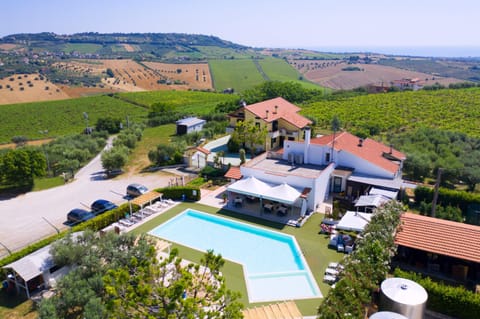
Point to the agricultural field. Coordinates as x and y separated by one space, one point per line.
62 117
195 75
279 70
82 47
211 52
8 46
390 113
189 101
466 70
22 88
237 74
81 67
329 73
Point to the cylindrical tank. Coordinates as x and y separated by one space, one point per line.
387 315
403 296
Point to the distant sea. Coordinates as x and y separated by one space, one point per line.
423 51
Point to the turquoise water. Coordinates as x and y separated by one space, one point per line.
272 261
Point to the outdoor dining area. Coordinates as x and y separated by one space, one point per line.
276 202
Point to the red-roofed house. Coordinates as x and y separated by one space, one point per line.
360 164
279 116
439 247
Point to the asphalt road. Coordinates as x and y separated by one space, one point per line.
30 217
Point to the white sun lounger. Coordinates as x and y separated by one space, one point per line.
126 222
329 279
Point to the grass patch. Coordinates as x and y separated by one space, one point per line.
16 307
237 74
43 183
312 243
152 136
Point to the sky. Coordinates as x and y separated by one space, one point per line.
261 23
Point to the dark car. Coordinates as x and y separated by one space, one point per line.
78 215
101 206
135 190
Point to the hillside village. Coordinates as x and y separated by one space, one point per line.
326 210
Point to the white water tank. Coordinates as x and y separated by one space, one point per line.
403 296
387 315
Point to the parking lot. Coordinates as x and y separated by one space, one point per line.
30 217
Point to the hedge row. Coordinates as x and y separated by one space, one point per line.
177 192
453 301
447 197
97 223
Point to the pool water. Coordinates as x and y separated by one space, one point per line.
273 265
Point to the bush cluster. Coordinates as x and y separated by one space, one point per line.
448 197
177 192
366 267
453 301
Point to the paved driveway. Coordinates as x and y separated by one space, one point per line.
24 218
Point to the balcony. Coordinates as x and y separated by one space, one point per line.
284 132
273 134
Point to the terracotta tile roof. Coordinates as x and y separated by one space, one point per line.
371 150
202 150
234 172
440 236
279 108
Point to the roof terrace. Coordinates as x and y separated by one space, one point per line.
280 167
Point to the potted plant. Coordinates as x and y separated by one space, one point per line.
224 196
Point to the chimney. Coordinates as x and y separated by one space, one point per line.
276 109
360 142
391 149
266 114
306 144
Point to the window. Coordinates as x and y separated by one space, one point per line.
291 138
257 124
327 157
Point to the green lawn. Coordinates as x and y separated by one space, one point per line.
237 74
313 246
47 182
152 137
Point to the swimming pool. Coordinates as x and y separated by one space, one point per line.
273 265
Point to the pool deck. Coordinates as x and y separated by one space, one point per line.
215 199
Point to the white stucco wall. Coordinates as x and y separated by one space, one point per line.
316 155
361 166
321 186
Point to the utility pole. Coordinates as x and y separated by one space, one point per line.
435 193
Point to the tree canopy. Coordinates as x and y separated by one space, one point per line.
121 276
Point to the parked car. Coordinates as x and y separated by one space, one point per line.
109 173
135 190
101 206
79 215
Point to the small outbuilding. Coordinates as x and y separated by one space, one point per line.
189 125
34 272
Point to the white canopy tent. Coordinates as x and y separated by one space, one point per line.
383 192
282 193
354 221
371 200
249 186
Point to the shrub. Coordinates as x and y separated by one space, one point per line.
448 300
191 193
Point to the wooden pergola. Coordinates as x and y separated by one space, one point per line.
146 198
